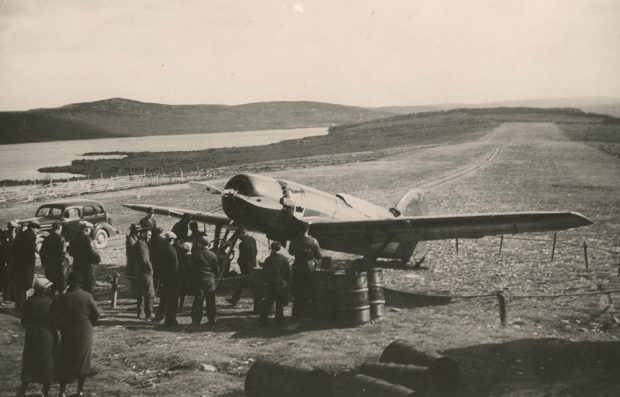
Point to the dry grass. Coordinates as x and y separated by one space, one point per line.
549 347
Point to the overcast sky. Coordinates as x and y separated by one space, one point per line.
353 52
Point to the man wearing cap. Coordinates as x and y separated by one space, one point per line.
246 262
41 340
24 254
148 222
52 253
306 251
204 268
277 274
85 256
197 238
7 237
169 280
130 252
145 293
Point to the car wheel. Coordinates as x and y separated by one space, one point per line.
101 238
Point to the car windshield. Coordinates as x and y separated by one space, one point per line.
49 212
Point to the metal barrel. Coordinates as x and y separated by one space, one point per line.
444 368
418 378
352 303
269 379
324 295
376 296
362 385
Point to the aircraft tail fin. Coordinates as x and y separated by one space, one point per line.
412 203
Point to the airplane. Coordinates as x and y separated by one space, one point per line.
282 210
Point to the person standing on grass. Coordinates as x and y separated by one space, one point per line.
198 238
148 222
7 238
185 257
85 256
145 293
24 254
203 271
130 252
306 251
41 340
246 262
277 274
53 253
169 281
75 313
156 244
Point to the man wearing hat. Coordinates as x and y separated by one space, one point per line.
53 252
148 222
157 243
306 251
85 256
145 293
41 340
277 274
246 262
203 270
169 281
7 237
130 252
24 254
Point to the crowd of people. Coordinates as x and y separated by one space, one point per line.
170 264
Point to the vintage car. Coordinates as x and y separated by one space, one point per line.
70 212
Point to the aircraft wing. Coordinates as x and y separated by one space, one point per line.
423 228
205 217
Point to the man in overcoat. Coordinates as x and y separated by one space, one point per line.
7 238
145 292
306 251
53 253
41 339
246 262
75 313
24 256
277 275
85 256
169 281
203 271
130 252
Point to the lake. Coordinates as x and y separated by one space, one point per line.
22 160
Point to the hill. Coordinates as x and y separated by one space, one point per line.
122 117
457 125
602 105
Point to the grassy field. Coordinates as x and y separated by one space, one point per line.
549 347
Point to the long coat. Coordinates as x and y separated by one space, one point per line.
85 256
52 255
277 273
24 250
75 313
247 254
41 342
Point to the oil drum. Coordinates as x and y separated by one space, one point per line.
269 379
352 298
324 296
376 297
363 385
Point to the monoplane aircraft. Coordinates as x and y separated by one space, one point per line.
283 209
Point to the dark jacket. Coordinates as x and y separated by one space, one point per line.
130 251
75 313
277 274
169 262
24 249
53 251
41 341
147 223
181 230
83 253
203 266
247 254
305 250
143 259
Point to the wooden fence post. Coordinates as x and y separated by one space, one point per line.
501 244
456 240
114 289
585 253
501 300
555 238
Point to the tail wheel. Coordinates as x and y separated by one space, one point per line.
101 238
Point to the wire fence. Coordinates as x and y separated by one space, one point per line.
55 189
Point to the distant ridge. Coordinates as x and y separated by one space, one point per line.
117 117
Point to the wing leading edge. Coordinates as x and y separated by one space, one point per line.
424 228
205 217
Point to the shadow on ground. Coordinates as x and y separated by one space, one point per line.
539 367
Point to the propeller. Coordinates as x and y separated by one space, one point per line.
205 187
